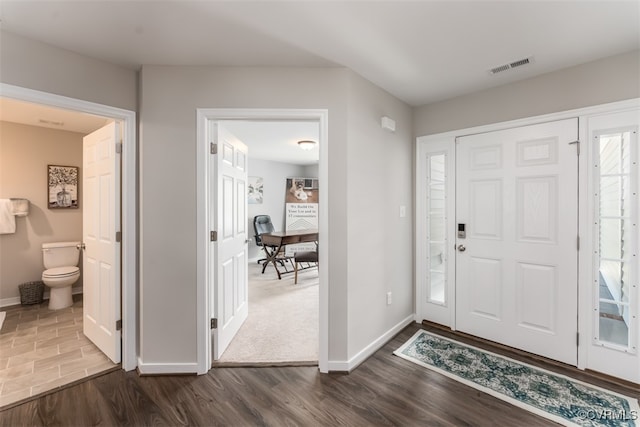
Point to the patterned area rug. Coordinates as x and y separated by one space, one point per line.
553 396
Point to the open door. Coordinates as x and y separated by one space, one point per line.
101 226
229 237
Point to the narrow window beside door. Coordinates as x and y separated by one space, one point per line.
436 228
615 190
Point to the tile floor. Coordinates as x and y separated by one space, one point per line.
41 350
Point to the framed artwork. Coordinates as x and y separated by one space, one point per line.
255 191
62 187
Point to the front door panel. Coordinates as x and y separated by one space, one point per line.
516 268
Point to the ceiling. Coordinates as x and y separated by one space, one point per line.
267 140
27 113
277 140
419 51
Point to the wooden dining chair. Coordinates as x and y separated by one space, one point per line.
310 257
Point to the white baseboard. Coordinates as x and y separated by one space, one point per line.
7 302
166 368
368 351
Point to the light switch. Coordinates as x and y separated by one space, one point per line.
403 211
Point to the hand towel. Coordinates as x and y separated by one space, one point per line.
7 220
20 207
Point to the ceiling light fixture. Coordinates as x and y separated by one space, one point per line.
306 145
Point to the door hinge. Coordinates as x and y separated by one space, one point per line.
214 323
119 147
577 338
118 236
577 145
578 242
214 236
119 325
214 148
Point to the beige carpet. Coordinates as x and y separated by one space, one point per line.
282 326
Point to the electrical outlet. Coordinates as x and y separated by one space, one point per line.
389 298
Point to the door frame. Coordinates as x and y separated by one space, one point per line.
446 141
128 196
203 266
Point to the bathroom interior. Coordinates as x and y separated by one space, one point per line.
42 344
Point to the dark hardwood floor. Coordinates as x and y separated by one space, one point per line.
384 390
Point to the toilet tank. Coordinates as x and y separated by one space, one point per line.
60 254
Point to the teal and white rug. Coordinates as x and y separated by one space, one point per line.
553 396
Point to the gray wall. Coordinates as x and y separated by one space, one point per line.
379 181
607 80
274 175
370 170
25 152
359 151
169 99
39 66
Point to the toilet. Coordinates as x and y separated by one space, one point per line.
61 263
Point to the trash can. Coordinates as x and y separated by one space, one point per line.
31 292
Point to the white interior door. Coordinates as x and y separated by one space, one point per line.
229 251
101 222
516 269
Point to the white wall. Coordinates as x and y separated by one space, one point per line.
25 152
274 175
310 171
599 82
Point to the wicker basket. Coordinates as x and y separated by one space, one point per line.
31 292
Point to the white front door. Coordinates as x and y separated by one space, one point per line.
229 250
101 222
516 267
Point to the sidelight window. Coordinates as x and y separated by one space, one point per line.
616 224
436 227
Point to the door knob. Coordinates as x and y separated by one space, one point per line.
461 248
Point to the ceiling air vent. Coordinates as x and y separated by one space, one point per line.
509 66
50 122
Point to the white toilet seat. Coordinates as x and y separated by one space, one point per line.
60 272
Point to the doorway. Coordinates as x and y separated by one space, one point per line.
467 238
206 251
282 323
128 301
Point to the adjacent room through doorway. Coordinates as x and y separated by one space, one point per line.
282 189
48 347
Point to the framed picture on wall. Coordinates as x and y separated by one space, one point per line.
255 190
62 187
